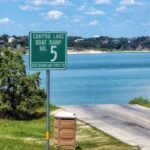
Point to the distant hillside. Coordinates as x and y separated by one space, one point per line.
108 43
102 43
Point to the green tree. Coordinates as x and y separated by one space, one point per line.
4 37
20 94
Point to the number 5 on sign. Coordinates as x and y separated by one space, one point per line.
52 51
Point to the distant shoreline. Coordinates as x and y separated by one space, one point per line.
70 52
103 52
86 52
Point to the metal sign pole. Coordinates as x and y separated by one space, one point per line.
48 110
54 58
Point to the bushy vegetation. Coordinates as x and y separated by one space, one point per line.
20 95
21 40
140 101
108 43
104 43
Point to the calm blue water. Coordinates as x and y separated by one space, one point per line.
100 79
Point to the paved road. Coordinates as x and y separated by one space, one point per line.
130 124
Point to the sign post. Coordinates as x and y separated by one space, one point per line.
48 51
48 110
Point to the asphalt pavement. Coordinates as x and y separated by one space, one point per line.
128 123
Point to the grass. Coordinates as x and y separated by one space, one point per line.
22 135
141 101
93 139
17 144
30 135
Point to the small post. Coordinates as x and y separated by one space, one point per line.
48 110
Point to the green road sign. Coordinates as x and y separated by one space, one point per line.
48 50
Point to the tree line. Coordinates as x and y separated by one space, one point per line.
107 43
103 43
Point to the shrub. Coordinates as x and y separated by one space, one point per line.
140 101
20 94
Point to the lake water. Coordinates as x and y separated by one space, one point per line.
112 78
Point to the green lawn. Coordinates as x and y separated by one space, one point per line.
89 138
30 135
18 144
22 135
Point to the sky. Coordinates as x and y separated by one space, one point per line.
86 18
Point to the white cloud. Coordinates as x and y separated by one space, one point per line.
125 3
47 2
82 8
54 15
59 2
38 2
28 7
76 20
145 24
90 10
94 23
33 24
129 2
96 36
19 25
9 0
121 8
4 21
95 12
102 1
